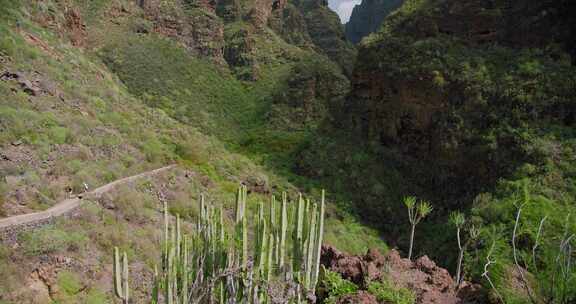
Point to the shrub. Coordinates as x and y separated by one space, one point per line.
191 153
51 240
153 149
96 296
388 293
60 135
134 206
333 286
8 272
69 283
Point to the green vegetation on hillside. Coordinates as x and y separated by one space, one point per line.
475 117
216 264
471 116
128 99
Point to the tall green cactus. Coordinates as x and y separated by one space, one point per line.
241 227
121 286
269 253
298 241
205 262
311 242
283 228
319 239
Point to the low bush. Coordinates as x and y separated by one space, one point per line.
96 296
332 286
388 293
52 239
69 283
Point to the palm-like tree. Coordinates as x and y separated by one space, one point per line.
416 212
458 220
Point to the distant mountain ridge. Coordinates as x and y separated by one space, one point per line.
367 17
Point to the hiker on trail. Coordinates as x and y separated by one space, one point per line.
85 187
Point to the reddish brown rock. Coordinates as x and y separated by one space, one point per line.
429 282
374 256
350 267
202 33
76 27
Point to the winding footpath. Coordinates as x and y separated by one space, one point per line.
68 205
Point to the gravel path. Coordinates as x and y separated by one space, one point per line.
68 205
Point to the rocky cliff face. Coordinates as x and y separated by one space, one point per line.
449 99
327 33
312 25
226 31
516 23
367 17
417 85
197 26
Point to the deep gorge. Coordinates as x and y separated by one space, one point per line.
468 105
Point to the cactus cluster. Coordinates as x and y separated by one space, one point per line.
212 264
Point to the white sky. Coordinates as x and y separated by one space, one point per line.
343 8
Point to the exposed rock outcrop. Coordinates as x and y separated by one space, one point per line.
197 27
291 25
310 24
76 27
430 283
33 84
327 33
367 17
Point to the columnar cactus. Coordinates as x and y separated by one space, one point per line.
121 286
205 267
283 228
319 239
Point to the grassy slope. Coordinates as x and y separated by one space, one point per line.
101 130
238 113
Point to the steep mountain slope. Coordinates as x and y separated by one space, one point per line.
471 105
95 91
327 33
367 18
466 104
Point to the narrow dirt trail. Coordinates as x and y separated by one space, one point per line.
68 205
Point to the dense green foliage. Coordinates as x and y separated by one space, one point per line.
333 286
466 121
192 90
